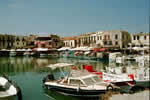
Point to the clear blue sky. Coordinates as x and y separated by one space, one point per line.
72 17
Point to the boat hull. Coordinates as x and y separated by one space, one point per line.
75 92
142 83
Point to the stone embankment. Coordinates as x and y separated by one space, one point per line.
143 95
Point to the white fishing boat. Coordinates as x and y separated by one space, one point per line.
79 83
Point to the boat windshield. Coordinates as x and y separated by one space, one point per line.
92 80
97 79
88 81
75 82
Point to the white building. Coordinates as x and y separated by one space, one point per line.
69 41
140 39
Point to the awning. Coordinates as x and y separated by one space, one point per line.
102 49
40 49
96 49
64 48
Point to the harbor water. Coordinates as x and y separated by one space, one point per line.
28 73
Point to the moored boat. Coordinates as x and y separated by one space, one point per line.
8 88
124 81
79 83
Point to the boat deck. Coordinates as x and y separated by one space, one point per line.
4 94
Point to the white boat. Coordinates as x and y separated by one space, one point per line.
112 56
7 89
142 78
79 83
124 81
43 55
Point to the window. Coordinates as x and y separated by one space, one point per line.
75 82
71 44
116 36
116 43
110 42
94 38
138 37
17 43
108 37
97 37
144 37
122 36
100 37
105 37
134 37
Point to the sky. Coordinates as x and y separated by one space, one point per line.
73 17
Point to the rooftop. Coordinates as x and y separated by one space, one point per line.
68 38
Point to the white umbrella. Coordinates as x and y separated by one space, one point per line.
42 49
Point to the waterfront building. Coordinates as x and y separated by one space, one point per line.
140 39
106 39
99 40
20 42
88 39
113 39
51 41
30 41
6 41
69 41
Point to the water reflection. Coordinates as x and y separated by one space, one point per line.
30 64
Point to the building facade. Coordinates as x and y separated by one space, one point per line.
88 39
69 41
51 41
140 39
6 41
113 39
20 42
107 39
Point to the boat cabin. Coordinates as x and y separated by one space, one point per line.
82 78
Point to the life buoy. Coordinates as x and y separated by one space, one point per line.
109 87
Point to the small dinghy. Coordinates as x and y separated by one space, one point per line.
7 88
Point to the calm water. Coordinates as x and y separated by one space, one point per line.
28 72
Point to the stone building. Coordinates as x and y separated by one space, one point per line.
107 39
20 42
88 39
113 39
140 39
30 41
6 41
51 41
69 41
